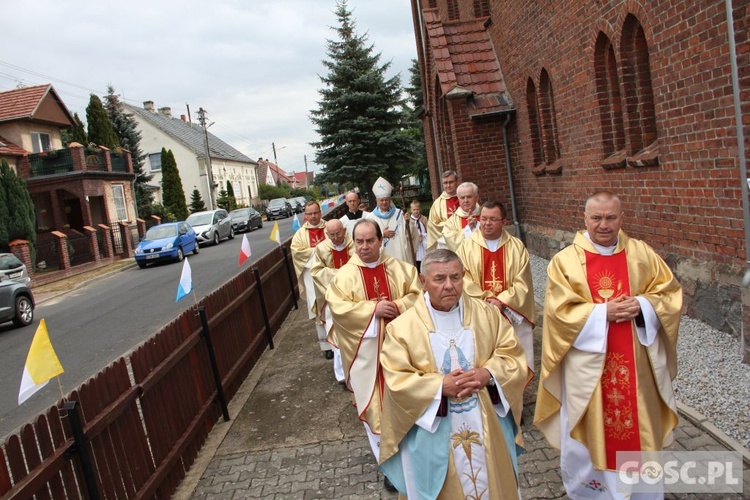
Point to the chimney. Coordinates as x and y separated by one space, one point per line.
166 111
183 118
148 105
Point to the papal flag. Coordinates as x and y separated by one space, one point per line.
295 223
245 249
275 235
41 364
185 286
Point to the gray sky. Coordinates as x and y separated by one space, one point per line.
252 64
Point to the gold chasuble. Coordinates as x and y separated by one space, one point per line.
413 377
621 399
453 230
303 244
351 297
440 211
504 274
326 263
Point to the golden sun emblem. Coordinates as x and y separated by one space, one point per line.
607 285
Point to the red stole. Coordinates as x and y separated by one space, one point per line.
340 257
464 221
493 270
608 279
315 235
451 204
377 288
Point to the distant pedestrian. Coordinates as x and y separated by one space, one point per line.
441 210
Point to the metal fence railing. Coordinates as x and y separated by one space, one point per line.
58 161
119 162
117 243
47 257
79 251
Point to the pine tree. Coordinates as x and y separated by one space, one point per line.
76 133
196 201
101 132
230 189
125 126
21 217
4 211
173 194
417 164
358 119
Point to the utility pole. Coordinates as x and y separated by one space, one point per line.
209 174
306 174
275 162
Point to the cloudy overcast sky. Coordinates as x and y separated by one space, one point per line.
252 64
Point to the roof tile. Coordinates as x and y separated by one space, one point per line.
21 103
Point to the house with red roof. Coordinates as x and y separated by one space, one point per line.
73 186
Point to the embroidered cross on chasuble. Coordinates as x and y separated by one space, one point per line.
493 270
607 278
340 257
451 204
316 235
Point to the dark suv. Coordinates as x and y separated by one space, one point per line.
278 208
16 302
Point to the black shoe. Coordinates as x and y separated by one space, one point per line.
388 484
328 354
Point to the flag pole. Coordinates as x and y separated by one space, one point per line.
59 384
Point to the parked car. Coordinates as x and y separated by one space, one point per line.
211 226
170 241
300 201
16 302
245 219
12 267
278 208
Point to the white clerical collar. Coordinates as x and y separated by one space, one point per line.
373 265
340 247
493 245
445 320
602 250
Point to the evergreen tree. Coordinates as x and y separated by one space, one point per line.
417 164
230 189
76 133
4 211
101 132
196 201
125 126
171 185
359 120
21 216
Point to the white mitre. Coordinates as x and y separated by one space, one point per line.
382 188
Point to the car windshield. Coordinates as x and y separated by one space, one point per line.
238 214
200 219
160 232
277 202
9 261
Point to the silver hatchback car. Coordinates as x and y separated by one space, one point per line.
12 267
211 226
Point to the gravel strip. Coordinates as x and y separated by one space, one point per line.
711 376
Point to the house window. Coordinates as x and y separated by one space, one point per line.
549 122
534 129
453 14
639 96
40 142
432 4
481 8
118 194
154 160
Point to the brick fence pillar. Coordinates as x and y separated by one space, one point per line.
157 219
61 242
107 251
141 227
127 245
22 250
92 242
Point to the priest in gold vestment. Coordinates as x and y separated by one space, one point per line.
609 353
498 270
368 292
330 256
441 210
303 246
465 220
454 374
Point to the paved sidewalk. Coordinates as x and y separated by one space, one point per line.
294 435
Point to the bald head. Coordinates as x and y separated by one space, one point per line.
335 231
603 218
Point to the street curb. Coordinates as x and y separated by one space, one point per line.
702 422
53 295
216 436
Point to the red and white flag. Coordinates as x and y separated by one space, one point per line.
245 249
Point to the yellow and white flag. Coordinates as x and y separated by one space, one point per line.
275 235
41 364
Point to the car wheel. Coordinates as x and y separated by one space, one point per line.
142 264
197 248
231 233
260 226
24 311
180 255
217 238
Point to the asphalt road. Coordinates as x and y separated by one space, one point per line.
94 325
